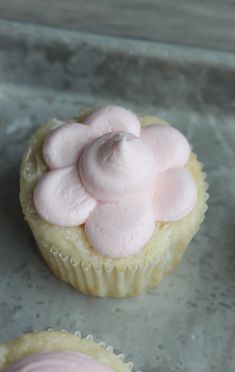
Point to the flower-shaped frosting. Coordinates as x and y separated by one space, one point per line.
116 178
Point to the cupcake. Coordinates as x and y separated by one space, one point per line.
59 351
112 199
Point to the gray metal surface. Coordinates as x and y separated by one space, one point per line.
205 23
188 323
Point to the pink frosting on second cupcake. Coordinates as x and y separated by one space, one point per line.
58 361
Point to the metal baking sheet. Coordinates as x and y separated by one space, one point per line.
188 322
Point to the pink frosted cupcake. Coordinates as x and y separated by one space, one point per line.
112 205
59 351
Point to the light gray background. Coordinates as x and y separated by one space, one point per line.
188 323
207 23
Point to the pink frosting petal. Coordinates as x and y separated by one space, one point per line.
170 147
120 229
64 144
175 194
113 118
60 198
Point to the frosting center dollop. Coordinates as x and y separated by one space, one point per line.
116 166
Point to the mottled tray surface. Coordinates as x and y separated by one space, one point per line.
188 323
205 23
